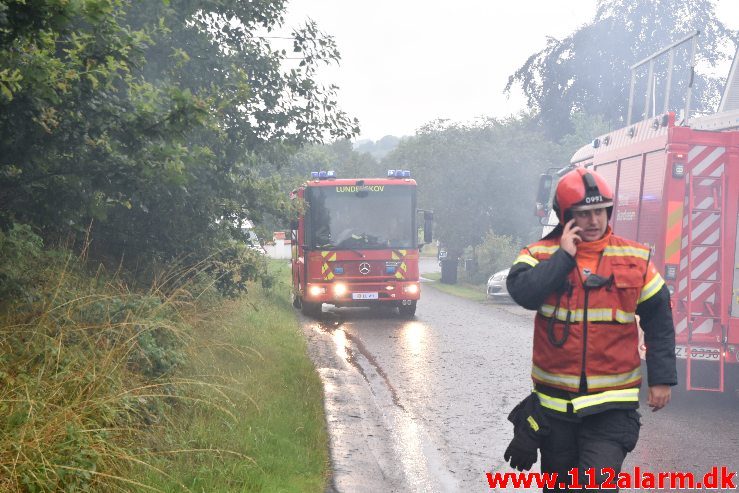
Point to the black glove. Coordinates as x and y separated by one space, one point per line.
521 452
530 425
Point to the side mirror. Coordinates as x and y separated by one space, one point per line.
542 195
428 225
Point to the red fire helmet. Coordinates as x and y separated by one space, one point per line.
581 189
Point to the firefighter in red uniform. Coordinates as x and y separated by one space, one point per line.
588 286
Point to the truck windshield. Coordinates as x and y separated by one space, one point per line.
371 216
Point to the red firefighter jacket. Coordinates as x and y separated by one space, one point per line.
585 332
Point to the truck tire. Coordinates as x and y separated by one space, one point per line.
296 301
311 308
407 311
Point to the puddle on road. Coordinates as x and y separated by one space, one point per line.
423 465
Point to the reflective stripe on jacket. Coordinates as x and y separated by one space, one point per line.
588 403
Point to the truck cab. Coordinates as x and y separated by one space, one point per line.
356 243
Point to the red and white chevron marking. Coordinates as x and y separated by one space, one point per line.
706 165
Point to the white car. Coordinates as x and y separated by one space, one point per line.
496 286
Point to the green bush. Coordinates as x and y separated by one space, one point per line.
235 266
21 251
495 253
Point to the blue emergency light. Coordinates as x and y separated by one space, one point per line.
398 173
323 175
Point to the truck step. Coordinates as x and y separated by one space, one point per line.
710 383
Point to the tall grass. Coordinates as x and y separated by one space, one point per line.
259 425
84 363
107 389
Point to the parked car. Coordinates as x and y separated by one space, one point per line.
496 288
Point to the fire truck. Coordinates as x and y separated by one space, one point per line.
356 243
676 186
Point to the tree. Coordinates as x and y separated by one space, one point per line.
338 156
380 148
477 177
589 71
156 122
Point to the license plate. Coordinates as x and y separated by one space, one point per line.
697 353
364 296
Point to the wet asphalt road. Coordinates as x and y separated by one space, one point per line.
421 405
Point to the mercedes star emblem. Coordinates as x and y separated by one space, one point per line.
364 268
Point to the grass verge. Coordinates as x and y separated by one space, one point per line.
259 424
462 289
103 388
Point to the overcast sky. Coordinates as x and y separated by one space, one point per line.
407 62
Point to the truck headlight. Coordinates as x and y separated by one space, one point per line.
340 289
411 289
316 290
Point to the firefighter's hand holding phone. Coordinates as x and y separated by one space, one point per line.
570 237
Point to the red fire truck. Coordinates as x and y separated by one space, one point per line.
357 244
676 189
